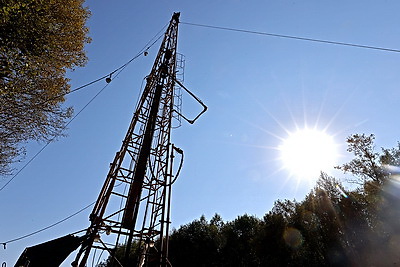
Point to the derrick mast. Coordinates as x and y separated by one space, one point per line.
133 207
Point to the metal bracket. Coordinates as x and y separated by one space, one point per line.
195 97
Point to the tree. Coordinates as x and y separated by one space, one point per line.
39 41
269 243
118 256
197 243
239 242
366 164
375 208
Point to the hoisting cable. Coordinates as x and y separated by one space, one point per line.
292 37
52 139
118 71
180 151
143 51
50 226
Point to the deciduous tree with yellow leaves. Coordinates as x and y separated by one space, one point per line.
39 41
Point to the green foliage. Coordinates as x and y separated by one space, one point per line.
366 165
197 243
119 256
39 41
239 242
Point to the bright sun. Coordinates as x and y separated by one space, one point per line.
307 152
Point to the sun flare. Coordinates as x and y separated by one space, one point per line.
307 152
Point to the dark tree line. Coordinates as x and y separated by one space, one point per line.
330 227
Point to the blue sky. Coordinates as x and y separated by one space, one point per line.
256 87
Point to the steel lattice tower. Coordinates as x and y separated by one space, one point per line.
133 207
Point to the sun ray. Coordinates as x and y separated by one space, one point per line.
283 127
295 122
321 107
339 110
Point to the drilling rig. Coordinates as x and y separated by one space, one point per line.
131 217
134 205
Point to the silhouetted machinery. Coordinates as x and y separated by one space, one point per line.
131 217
